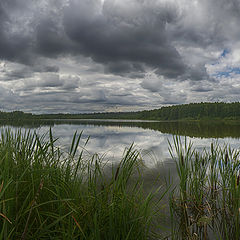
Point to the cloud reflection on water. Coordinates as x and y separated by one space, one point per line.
111 141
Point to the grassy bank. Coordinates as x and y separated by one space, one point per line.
49 194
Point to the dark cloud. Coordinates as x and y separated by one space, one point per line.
202 89
13 46
70 83
51 40
123 43
208 23
197 73
77 51
17 74
43 68
122 68
125 36
20 23
12 72
51 80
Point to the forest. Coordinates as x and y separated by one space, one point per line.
192 111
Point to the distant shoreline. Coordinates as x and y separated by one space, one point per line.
186 112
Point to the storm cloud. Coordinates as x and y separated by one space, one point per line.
118 54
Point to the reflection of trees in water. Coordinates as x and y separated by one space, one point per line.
191 128
201 129
26 123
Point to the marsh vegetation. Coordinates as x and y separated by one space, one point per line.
206 202
47 193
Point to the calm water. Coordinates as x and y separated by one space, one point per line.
110 138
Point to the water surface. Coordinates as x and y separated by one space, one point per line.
111 137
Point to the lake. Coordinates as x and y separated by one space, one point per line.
109 138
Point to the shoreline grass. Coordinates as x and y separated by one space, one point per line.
46 193
206 204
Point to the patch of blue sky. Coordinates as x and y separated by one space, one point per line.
224 53
228 72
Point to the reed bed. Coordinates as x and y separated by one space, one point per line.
48 194
206 203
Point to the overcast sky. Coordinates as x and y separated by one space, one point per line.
117 55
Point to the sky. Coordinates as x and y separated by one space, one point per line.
77 56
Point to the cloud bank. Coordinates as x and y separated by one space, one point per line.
115 55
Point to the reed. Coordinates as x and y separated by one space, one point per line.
49 194
46 193
206 203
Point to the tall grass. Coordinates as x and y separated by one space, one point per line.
48 194
206 204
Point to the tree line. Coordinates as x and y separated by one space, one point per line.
192 111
